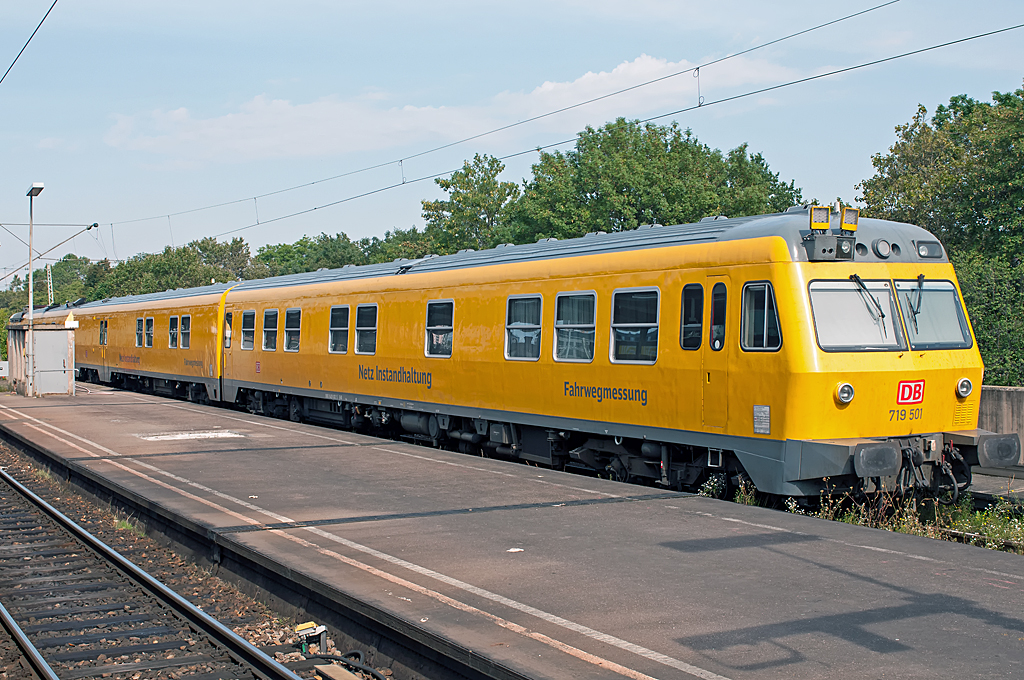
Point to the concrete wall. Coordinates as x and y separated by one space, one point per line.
1002 410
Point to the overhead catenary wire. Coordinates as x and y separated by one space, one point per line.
502 128
25 46
699 105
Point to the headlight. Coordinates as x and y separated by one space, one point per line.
844 393
882 248
964 387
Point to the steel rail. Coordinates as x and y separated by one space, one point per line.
32 655
220 634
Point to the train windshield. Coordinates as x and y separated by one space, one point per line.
856 316
932 315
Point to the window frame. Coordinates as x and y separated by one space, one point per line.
427 329
743 316
297 331
375 329
554 324
539 327
185 336
140 325
242 329
172 332
228 318
103 332
612 326
331 329
277 327
682 317
902 346
962 319
150 330
711 318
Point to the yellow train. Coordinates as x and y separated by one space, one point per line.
791 349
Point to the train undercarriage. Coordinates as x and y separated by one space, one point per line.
934 466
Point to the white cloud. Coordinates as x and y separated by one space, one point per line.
265 128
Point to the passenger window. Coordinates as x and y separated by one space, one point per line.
635 326
718 299
186 331
522 328
440 328
172 328
270 329
103 332
149 331
227 330
138 332
292 322
339 330
692 327
575 327
248 330
760 325
366 329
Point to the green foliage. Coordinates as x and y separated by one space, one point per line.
305 255
477 208
993 290
626 174
410 244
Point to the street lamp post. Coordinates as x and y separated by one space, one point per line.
33 191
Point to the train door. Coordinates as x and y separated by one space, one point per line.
716 355
229 342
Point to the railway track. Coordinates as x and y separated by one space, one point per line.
78 609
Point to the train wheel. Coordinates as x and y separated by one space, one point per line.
295 410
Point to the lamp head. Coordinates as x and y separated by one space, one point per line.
35 189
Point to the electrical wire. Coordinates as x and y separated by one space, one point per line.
28 41
518 123
645 120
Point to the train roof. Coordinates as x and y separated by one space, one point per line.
792 225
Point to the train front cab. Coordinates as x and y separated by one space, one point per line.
887 398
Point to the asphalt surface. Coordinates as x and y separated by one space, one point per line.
555 575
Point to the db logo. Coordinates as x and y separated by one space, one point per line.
910 392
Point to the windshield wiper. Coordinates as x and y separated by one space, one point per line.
881 315
916 309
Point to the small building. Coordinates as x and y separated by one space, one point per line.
54 354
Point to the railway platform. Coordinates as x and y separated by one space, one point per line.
540 574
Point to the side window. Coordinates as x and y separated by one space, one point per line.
575 326
227 330
440 328
149 331
366 329
103 332
522 328
248 330
186 331
339 330
718 300
270 329
635 326
292 324
172 332
691 328
138 332
760 326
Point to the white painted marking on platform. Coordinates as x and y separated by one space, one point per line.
174 436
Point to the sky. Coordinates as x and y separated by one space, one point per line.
137 114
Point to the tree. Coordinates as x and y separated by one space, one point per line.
959 175
475 214
629 173
306 255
